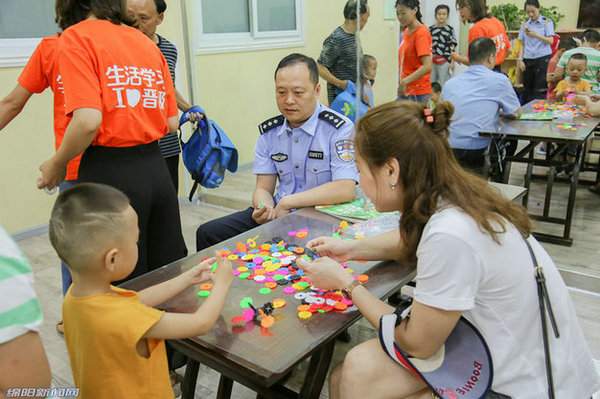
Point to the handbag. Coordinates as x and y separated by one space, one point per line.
463 366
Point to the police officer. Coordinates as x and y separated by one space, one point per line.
309 149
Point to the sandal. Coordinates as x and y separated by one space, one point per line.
60 328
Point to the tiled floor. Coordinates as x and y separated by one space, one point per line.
583 256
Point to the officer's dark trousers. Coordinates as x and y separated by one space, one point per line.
534 79
221 229
141 173
472 160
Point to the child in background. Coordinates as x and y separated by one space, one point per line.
443 45
436 94
115 337
345 102
573 84
566 44
369 73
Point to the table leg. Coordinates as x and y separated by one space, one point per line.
572 194
225 388
188 386
549 184
527 183
317 372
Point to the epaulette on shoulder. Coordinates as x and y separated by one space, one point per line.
332 118
271 123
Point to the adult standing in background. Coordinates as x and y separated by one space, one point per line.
119 92
484 25
337 62
537 35
148 15
414 53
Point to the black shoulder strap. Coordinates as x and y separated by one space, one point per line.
545 306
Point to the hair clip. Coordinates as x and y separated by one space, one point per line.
428 115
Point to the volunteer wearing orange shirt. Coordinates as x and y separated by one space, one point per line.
40 73
484 25
119 92
414 54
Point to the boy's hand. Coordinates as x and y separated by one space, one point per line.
224 273
199 273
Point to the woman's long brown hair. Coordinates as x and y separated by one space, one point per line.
429 173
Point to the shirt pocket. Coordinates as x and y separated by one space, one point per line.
285 174
318 173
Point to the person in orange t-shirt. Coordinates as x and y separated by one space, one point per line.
414 54
120 95
484 25
40 73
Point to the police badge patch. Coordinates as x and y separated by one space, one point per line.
345 150
279 157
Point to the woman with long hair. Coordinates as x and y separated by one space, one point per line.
472 260
414 53
484 25
119 93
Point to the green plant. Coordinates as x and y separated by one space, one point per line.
513 16
552 13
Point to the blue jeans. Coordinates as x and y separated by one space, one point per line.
66 274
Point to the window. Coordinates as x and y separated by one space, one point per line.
242 25
21 29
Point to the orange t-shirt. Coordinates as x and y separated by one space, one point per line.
414 46
102 333
119 71
40 73
493 29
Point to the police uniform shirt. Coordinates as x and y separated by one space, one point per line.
318 152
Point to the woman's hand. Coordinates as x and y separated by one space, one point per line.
326 274
521 65
53 174
338 249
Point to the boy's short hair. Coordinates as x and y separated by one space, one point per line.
83 219
567 44
578 57
436 87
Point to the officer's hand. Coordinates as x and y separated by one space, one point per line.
52 174
263 215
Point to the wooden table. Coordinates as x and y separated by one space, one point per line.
261 359
536 132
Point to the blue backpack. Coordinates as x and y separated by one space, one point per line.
345 103
207 153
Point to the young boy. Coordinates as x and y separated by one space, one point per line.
436 93
369 73
443 45
115 337
345 102
565 45
573 84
